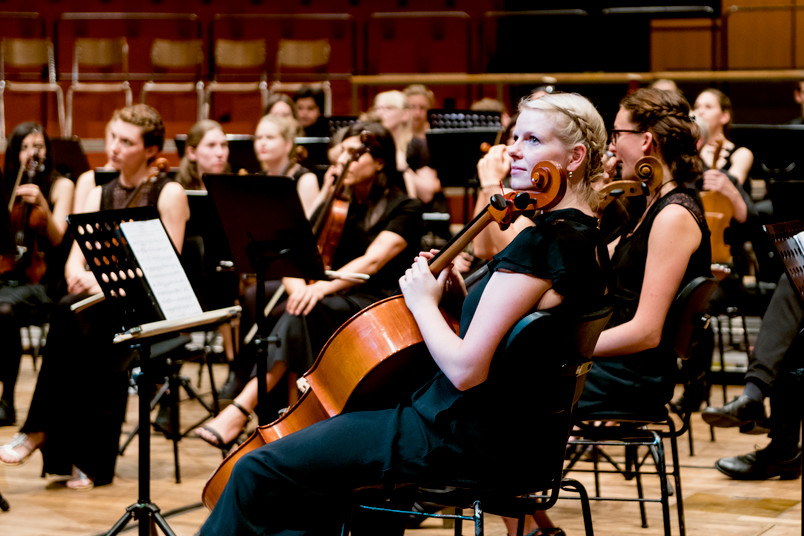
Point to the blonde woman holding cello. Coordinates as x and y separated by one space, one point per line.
452 426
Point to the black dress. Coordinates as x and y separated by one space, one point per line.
645 379
440 433
80 396
302 337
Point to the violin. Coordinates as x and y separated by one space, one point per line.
378 355
625 199
29 223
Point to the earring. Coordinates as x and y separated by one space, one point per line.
569 174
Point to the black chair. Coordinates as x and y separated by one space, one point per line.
560 382
686 323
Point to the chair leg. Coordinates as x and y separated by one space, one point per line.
586 509
682 530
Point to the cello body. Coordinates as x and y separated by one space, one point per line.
356 370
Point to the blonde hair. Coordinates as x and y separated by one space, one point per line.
397 99
288 128
576 122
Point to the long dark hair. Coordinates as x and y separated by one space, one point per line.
44 179
380 146
666 114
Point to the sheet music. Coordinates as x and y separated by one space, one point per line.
164 273
800 239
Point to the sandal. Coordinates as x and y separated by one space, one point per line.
217 441
80 481
17 452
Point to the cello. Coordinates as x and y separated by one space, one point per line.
379 354
622 199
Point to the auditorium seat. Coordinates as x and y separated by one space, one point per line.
28 66
177 67
100 65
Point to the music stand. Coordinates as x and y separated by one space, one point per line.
139 272
269 236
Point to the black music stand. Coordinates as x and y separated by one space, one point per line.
268 235
788 237
139 271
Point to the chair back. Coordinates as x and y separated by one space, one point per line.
32 55
552 353
108 57
689 316
302 54
237 54
170 54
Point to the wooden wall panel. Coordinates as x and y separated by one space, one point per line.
683 45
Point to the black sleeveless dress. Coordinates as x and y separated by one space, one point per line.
645 379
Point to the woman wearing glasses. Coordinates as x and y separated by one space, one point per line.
655 255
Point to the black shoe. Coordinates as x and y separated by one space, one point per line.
761 465
7 414
745 412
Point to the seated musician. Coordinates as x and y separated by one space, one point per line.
657 254
28 285
80 396
452 427
726 169
382 232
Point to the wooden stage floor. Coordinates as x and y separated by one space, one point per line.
714 504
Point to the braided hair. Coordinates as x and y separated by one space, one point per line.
577 122
666 115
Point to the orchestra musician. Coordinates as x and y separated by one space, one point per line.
80 396
275 147
381 233
206 151
656 254
452 426
38 223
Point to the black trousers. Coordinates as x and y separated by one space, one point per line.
777 355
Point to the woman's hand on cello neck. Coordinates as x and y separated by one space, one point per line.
420 287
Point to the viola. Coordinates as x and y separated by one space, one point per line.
624 199
29 223
379 355
718 212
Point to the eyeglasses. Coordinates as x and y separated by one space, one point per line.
614 134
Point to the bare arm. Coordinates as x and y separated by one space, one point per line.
741 161
491 170
83 186
78 278
307 186
385 247
506 299
673 239
174 211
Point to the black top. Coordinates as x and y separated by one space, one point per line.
399 214
644 380
114 195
